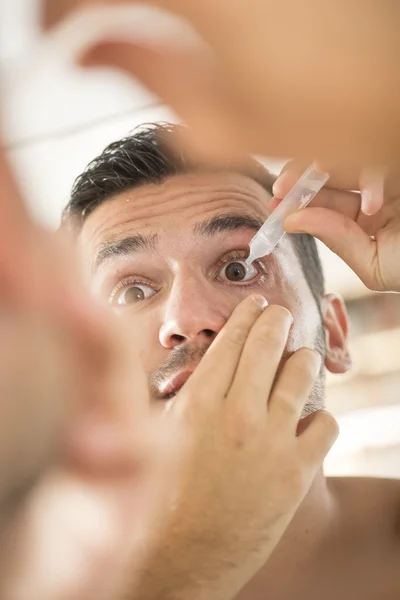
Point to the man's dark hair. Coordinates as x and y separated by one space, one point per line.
151 154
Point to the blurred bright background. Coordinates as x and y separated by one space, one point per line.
56 118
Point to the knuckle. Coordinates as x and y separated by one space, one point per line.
275 325
267 337
238 327
347 225
294 167
306 363
252 306
324 434
290 166
236 334
279 313
329 423
308 354
243 429
250 387
285 400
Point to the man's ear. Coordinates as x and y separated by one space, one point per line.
336 323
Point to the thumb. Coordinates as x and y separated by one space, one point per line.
344 237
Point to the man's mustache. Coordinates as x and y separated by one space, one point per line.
179 358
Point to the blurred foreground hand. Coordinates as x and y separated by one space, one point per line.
80 473
289 78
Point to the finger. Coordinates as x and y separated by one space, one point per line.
344 237
288 176
27 253
12 206
318 438
341 176
53 12
372 184
304 423
274 203
375 183
347 204
293 387
344 202
260 360
16 232
216 371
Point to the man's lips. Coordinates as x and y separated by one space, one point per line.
171 386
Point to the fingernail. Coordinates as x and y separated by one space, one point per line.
280 184
291 223
372 186
274 203
366 202
260 300
321 166
276 185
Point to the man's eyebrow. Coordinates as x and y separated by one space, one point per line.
227 222
124 247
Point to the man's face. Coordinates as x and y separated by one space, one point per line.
170 258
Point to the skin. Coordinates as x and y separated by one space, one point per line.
313 97
367 243
97 469
378 141
194 298
344 527
79 464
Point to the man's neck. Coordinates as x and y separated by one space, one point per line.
306 534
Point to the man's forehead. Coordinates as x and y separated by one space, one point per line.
180 201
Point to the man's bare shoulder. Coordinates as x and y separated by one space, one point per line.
389 485
372 500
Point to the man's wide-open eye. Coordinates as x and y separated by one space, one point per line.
128 293
239 271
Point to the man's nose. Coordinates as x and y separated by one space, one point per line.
195 312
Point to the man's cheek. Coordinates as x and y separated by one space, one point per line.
278 297
304 332
297 339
